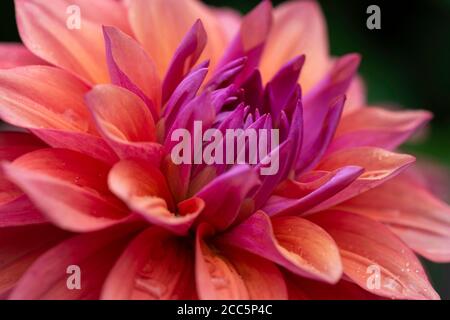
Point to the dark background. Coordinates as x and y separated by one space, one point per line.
407 63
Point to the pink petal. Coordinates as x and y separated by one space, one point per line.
363 243
376 127
68 187
145 190
318 102
131 68
125 122
299 28
185 58
313 149
19 211
155 266
250 40
94 253
423 224
43 28
225 195
379 165
283 154
184 93
200 109
292 242
24 245
296 197
15 55
281 88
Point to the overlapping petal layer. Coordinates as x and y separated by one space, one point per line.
93 183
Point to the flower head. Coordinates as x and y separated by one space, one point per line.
92 180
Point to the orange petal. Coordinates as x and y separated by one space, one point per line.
43 27
150 20
145 190
232 273
262 278
216 277
68 187
377 127
155 266
368 247
423 224
53 109
292 242
299 28
380 165
94 253
310 189
43 97
125 122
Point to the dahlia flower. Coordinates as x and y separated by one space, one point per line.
88 180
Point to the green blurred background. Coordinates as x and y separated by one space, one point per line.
406 63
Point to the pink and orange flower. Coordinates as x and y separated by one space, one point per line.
89 180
